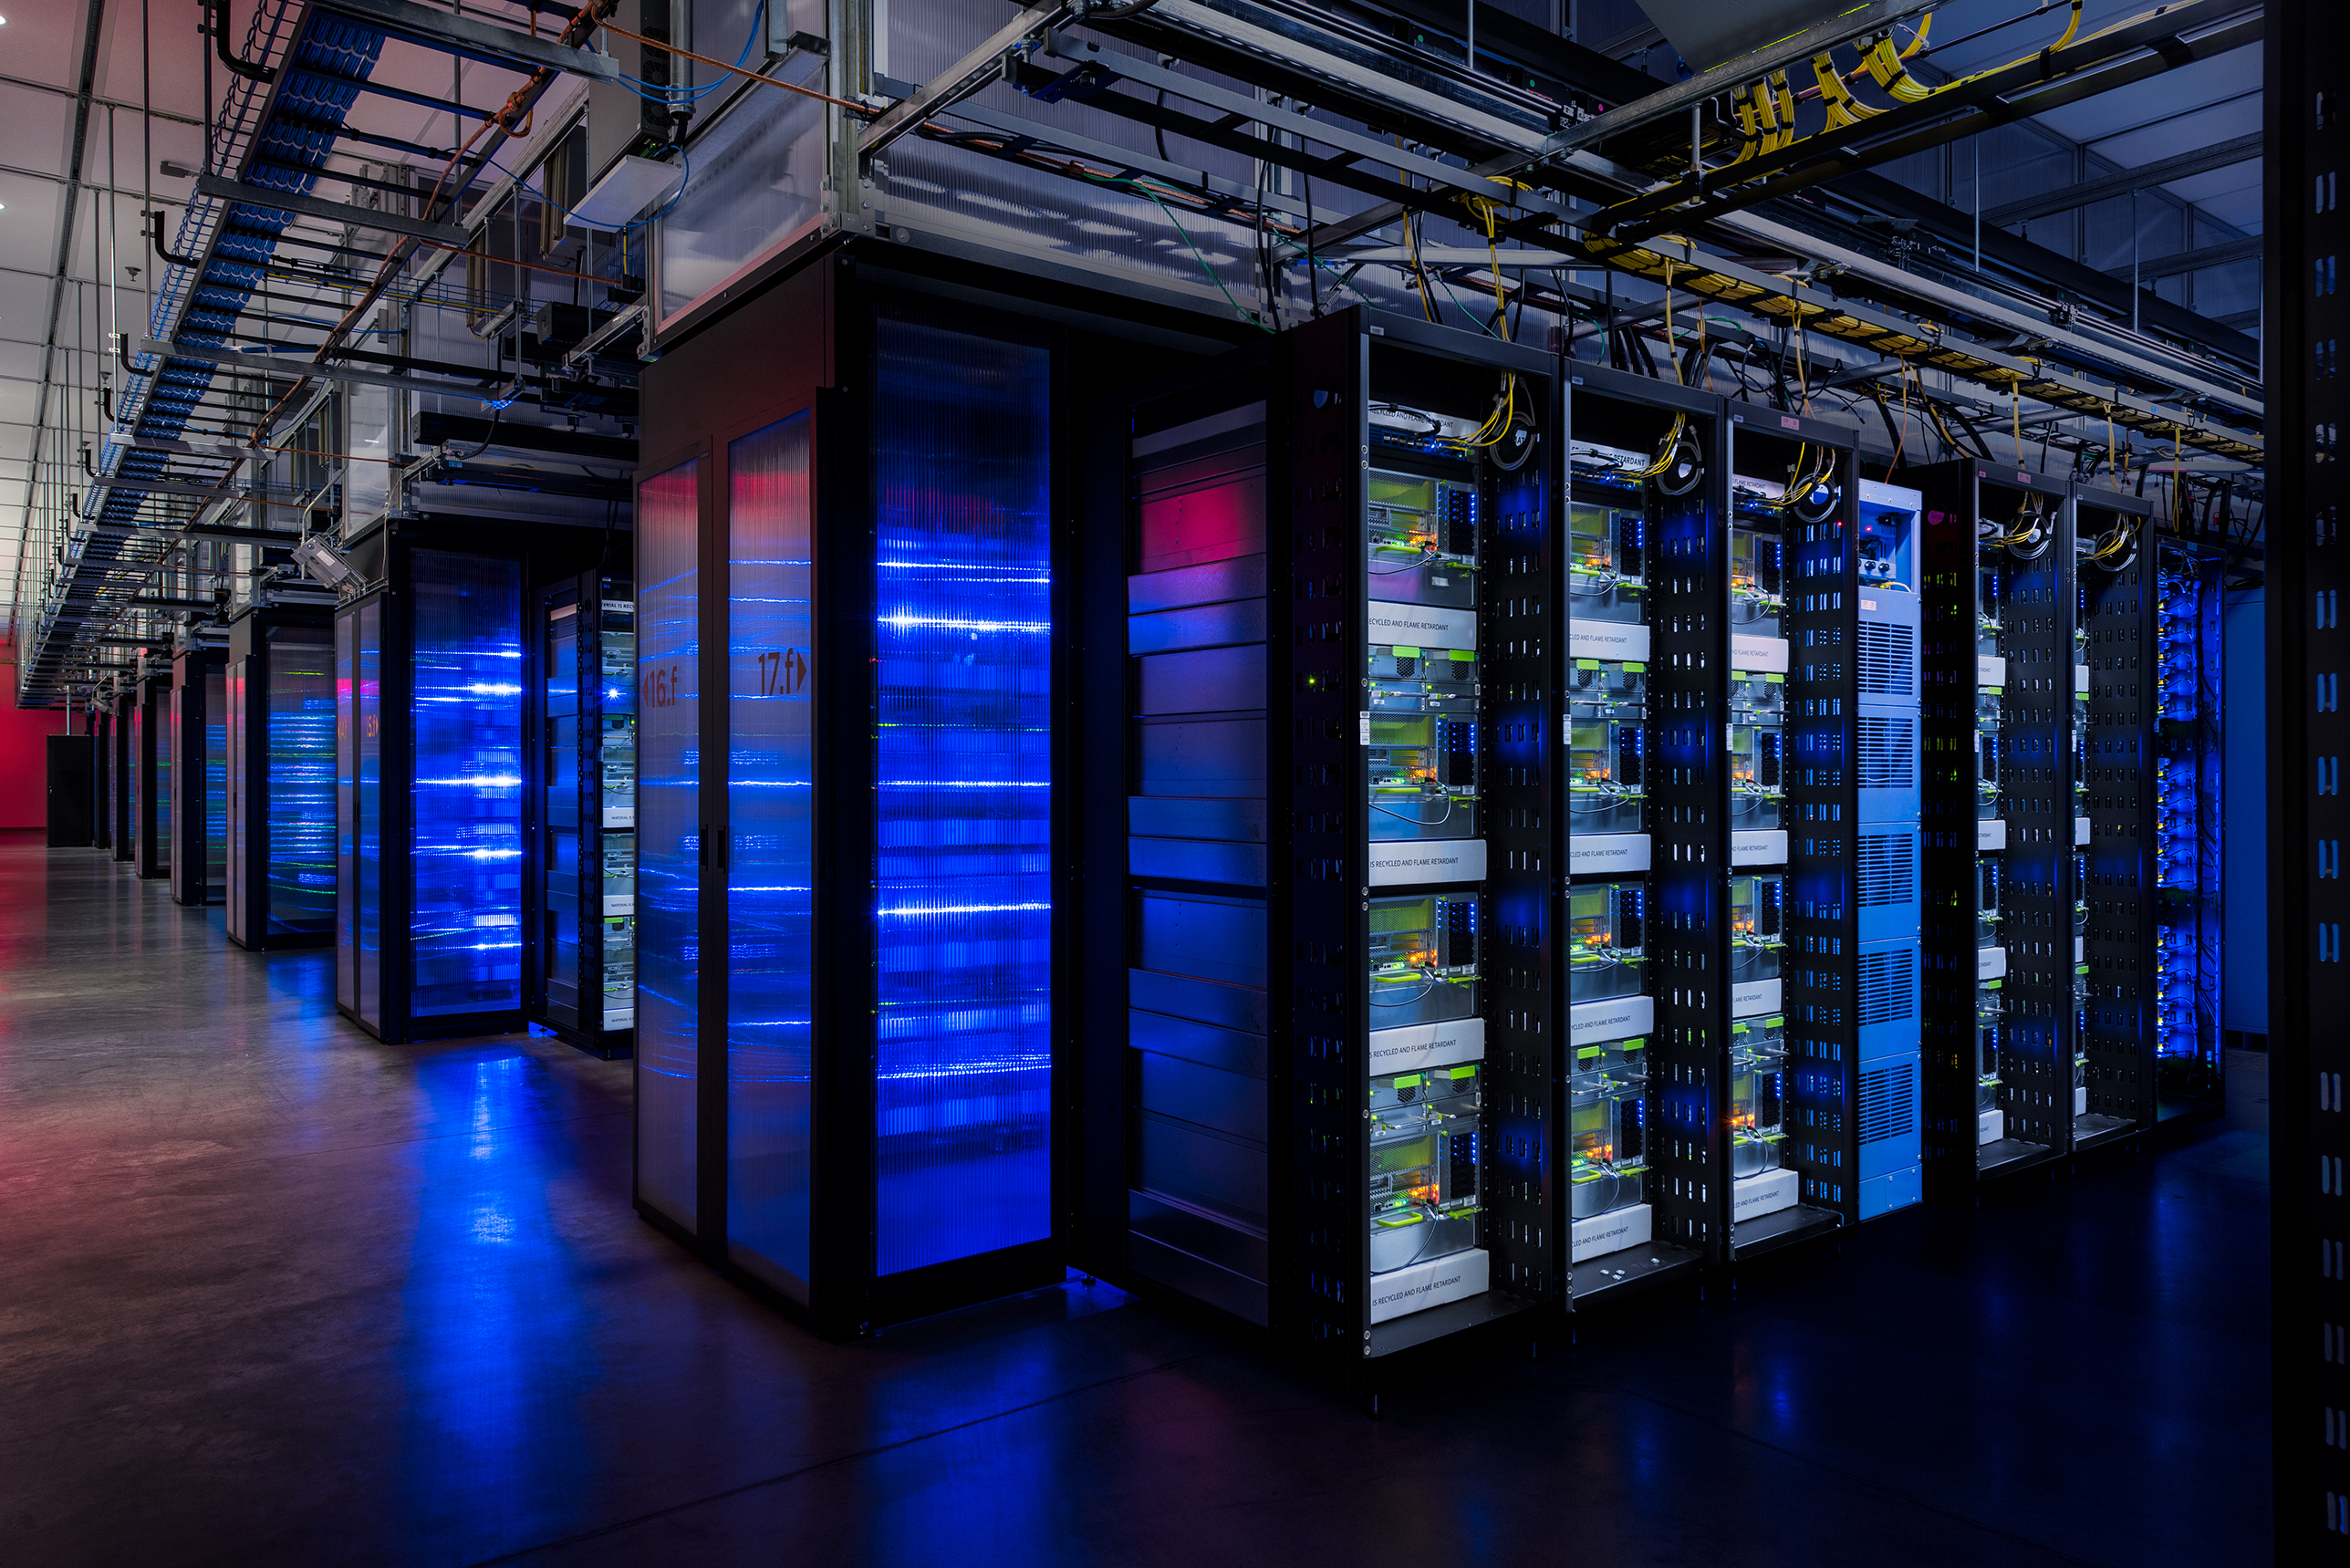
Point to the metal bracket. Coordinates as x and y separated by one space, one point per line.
221 189
957 81
473 40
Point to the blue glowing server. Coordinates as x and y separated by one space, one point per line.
2146 1006
430 667
151 773
1849 608
200 783
844 821
279 747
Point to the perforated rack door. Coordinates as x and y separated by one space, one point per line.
1317 895
1521 648
1688 789
2117 611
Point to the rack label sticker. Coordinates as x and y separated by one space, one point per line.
1758 654
1401 862
1611 1232
1618 1018
1420 625
1752 1197
1990 670
1755 996
1423 1286
2081 830
1990 835
1759 846
1608 852
1410 1047
1990 963
1613 640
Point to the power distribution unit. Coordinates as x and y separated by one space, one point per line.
847 886
579 943
1834 559
279 745
152 792
200 780
2149 864
1331 1070
430 663
2004 829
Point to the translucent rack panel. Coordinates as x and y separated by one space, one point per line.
1758 906
1424 1190
1606 927
1422 539
301 757
1758 1097
1608 1111
1604 580
1606 712
1420 773
1422 958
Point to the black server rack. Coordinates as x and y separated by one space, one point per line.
849 886
1649 825
151 773
200 776
279 748
579 948
68 787
1338 921
2148 862
1833 556
121 839
430 667
2002 832
100 730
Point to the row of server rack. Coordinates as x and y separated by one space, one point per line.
434 775
1580 831
1373 834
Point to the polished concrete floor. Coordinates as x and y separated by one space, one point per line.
272 1292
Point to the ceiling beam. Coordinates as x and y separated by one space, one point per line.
2203 160
221 189
2196 260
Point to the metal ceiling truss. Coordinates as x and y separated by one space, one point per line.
302 66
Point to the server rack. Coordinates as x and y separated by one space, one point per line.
151 775
279 744
1844 551
431 665
100 730
579 947
2149 857
848 905
1340 922
2003 835
200 781
1649 828
121 840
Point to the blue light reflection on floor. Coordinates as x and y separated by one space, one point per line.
963 679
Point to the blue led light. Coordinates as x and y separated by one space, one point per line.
964 691
466 792
300 870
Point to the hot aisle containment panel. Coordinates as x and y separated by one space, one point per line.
580 946
200 782
2150 798
279 736
1646 808
151 773
1848 579
429 672
2002 839
1340 901
847 682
